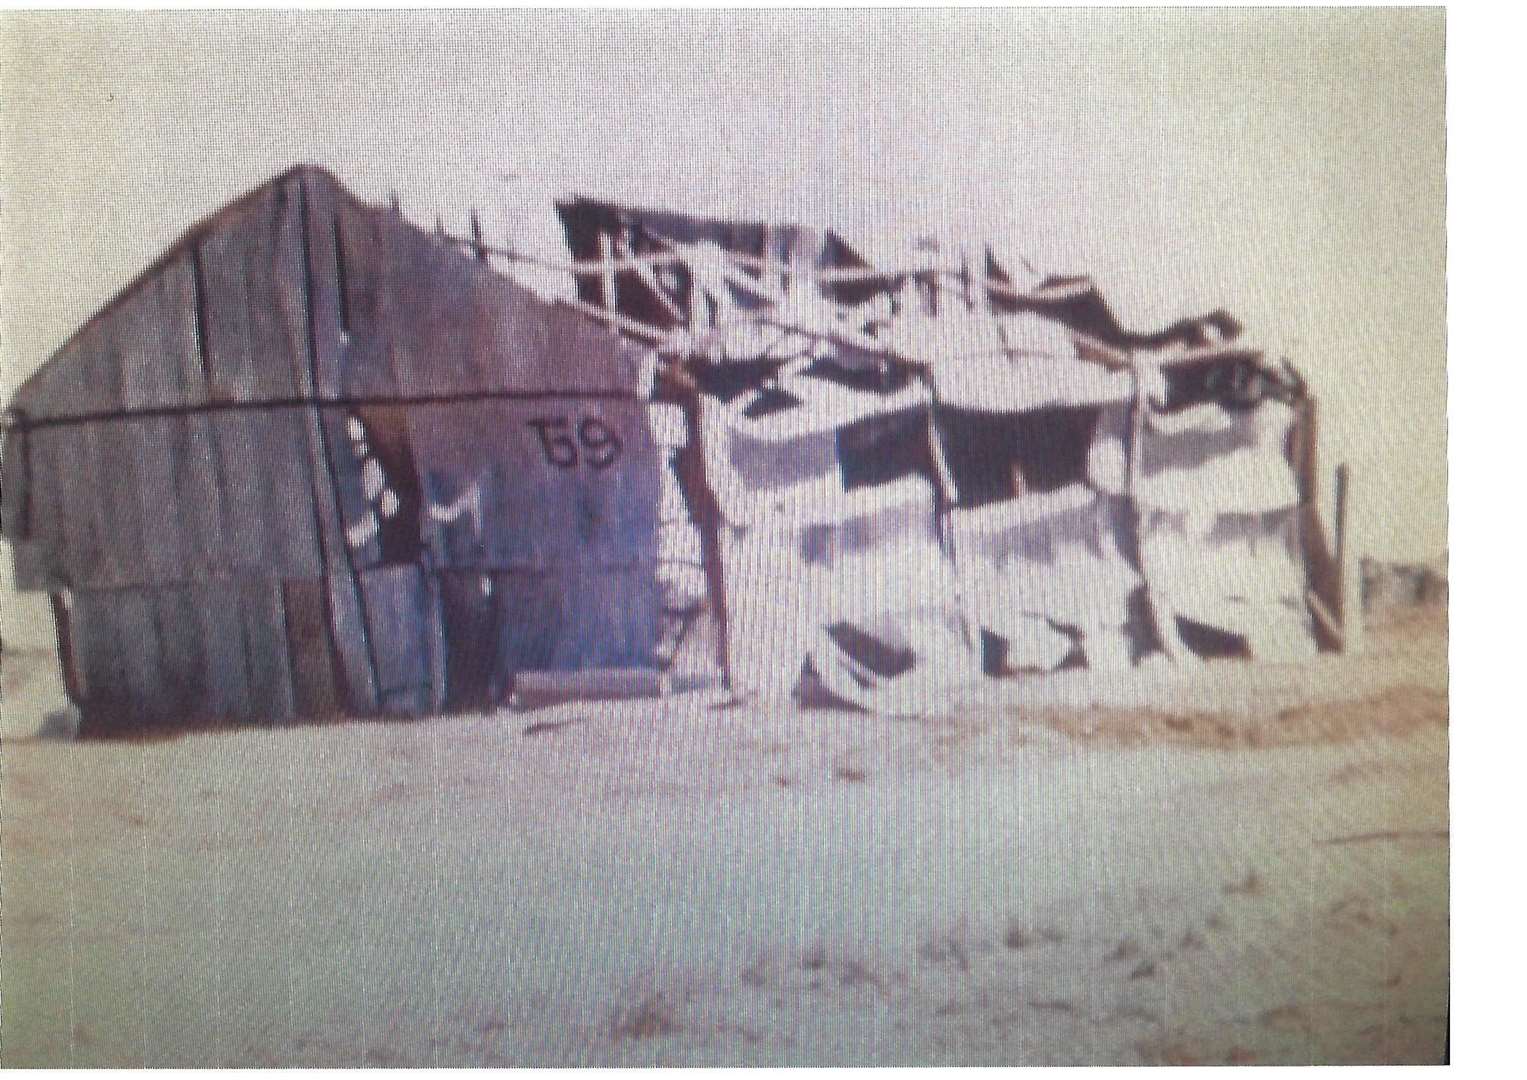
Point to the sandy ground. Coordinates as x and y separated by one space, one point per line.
1251 868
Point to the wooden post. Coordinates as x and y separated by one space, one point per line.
799 272
606 272
1163 621
478 248
705 512
63 630
1322 578
1348 566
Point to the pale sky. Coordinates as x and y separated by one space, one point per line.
1288 165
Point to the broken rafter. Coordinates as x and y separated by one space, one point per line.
1328 622
607 272
996 286
635 327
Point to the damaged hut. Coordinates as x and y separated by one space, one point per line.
319 460
316 460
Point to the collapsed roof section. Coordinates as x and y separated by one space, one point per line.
640 263
1090 493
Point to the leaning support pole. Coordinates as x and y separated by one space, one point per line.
63 628
1348 566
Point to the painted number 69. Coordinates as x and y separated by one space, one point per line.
596 444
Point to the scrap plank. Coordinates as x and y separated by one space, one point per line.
226 691
316 681
43 560
323 303
295 540
267 491
169 528
182 650
154 334
247 501
360 240
75 471
200 501
350 632
265 648
251 352
397 618
119 456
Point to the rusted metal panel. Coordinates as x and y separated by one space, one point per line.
456 327
579 357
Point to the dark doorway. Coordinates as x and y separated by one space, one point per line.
470 614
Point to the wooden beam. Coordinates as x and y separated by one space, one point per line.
767 266
1164 622
1349 569
635 327
607 272
1327 622
478 248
